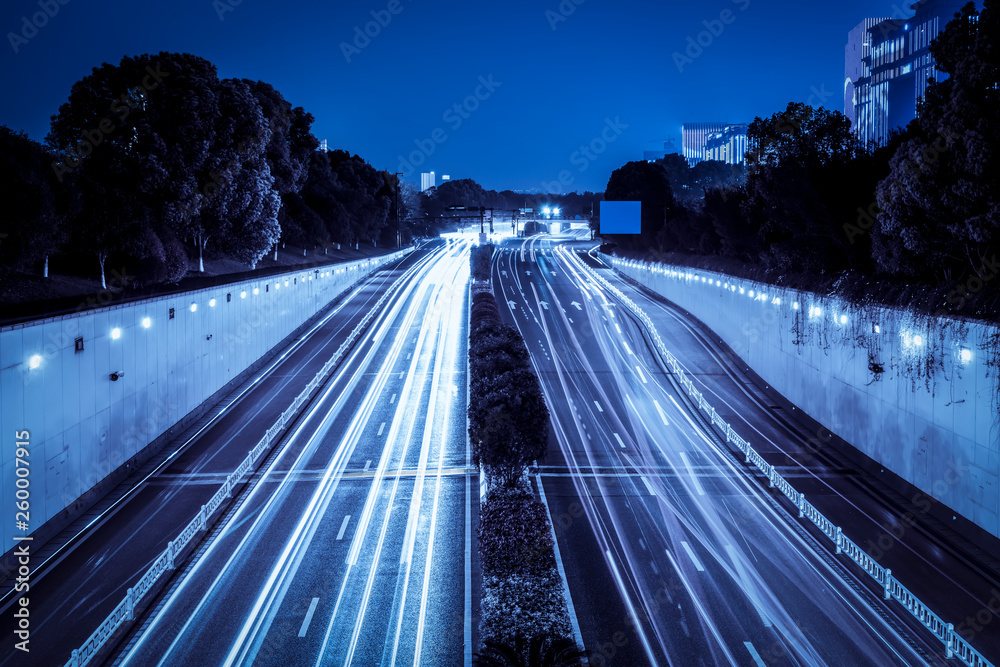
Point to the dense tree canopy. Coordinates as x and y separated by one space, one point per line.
34 203
939 208
157 152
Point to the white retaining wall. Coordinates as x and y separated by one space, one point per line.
83 425
931 416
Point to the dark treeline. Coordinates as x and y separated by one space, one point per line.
466 192
155 160
921 210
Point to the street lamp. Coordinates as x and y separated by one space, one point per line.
399 231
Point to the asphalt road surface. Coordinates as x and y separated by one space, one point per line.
352 544
673 553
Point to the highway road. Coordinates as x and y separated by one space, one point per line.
351 544
673 553
354 545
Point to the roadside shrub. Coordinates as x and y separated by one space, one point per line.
514 534
482 259
508 424
523 606
483 311
493 350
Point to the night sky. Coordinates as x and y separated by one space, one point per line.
554 80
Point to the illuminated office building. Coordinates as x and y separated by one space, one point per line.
886 67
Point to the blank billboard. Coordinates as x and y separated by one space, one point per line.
621 217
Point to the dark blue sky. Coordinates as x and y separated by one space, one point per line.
608 68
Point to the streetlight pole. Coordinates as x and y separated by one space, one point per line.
399 231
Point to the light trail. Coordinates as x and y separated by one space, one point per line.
697 515
421 304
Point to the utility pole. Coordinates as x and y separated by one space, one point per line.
399 231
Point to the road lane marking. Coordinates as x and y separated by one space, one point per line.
649 487
619 439
618 327
753 654
367 465
392 400
343 527
641 376
309 616
694 476
408 355
627 348
652 564
663 415
599 408
381 428
402 374
692 556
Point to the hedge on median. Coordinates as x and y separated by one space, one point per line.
522 590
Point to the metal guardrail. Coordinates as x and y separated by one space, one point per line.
955 645
125 611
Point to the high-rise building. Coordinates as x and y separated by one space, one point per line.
857 70
694 138
729 145
427 180
887 64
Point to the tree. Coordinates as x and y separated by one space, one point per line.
806 176
723 211
34 203
192 149
648 183
241 212
939 208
